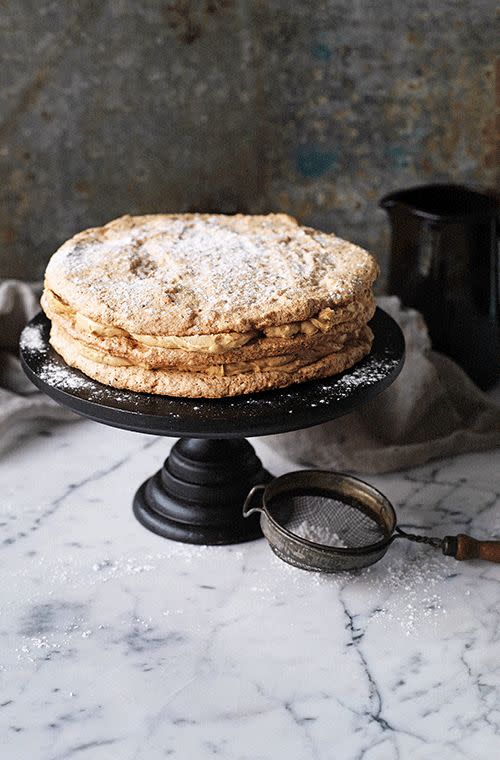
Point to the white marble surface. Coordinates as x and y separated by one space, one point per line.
119 645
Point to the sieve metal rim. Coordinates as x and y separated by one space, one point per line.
360 487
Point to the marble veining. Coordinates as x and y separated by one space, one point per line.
116 644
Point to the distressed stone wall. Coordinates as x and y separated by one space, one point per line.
312 107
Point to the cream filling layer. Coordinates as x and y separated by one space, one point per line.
217 343
282 363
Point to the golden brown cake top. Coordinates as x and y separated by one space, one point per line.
189 274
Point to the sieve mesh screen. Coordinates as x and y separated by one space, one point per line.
336 521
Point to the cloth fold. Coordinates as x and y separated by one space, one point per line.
432 410
22 407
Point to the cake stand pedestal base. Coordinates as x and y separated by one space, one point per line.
197 497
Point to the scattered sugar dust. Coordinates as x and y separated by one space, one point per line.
32 339
66 575
60 376
400 593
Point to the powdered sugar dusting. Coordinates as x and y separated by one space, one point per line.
60 376
320 534
373 370
210 273
32 338
370 371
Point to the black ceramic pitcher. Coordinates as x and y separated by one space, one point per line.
444 262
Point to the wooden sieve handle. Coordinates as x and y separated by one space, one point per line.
466 547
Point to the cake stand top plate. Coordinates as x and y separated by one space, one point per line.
278 411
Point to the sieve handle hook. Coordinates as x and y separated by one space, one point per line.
247 506
437 543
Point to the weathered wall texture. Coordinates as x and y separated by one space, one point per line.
308 106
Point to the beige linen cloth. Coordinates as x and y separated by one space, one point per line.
22 407
432 410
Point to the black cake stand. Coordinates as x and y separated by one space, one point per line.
197 496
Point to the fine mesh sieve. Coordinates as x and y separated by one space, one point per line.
319 520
